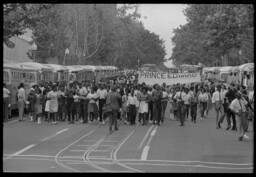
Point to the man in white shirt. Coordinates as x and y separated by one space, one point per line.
21 101
237 106
132 104
180 96
6 96
83 92
101 94
218 101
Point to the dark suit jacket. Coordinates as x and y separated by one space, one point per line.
113 98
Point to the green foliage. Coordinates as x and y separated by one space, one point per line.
214 31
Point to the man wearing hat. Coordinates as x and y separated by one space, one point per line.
237 106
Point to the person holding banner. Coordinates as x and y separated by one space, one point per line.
157 96
180 96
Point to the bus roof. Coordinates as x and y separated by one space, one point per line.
18 66
38 66
57 67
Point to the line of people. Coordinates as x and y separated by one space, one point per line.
86 101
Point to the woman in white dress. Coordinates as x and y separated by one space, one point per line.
170 99
53 103
92 106
143 99
47 106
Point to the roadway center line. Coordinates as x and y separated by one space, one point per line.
145 137
54 134
146 148
19 152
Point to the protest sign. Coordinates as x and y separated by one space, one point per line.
151 78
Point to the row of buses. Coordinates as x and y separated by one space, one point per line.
31 73
243 74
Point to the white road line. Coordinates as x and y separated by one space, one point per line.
30 155
145 137
54 134
145 153
21 151
171 161
62 131
77 150
146 148
203 166
71 157
103 150
84 145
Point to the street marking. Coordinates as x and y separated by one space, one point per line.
54 134
21 151
145 137
62 131
111 141
203 166
89 140
99 157
61 151
115 150
77 150
145 153
30 155
220 163
71 157
84 145
100 150
13 121
146 148
17 158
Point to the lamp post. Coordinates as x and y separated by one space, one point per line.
66 53
240 54
34 48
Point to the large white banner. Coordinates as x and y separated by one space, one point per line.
151 78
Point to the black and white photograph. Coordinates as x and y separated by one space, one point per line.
128 88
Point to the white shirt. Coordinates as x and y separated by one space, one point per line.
90 96
132 100
235 106
187 97
165 94
179 96
251 96
218 96
6 93
76 98
102 94
83 91
21 93
203 97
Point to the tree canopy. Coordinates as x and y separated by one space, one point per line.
98 34
213 32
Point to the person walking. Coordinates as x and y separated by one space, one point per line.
237 106
150 105
157 96
84 102
113 99
193 101
164 102
102 94
38 105
124 106
32 102
69 94
143 98
180 96
6 97
202 98
92 112
53 103
209 102
230 95
21 101
62 104
170 99
218 101
132 104
186 102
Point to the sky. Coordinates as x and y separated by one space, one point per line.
162 19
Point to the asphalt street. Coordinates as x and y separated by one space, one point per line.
194 148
